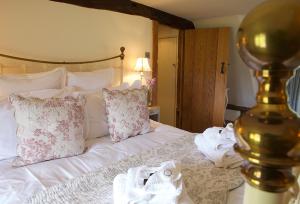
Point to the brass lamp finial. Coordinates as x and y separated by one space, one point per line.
269 134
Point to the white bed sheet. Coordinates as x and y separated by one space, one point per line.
17 184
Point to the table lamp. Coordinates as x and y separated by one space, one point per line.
142 65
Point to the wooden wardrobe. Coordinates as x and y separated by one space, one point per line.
202 78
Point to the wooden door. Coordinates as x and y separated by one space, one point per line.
166 81
202 78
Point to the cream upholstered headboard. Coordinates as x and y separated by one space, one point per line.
18 65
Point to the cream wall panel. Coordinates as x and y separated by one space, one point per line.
54 31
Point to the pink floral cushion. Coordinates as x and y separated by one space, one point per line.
127 113
48 128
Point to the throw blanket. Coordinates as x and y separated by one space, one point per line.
204 183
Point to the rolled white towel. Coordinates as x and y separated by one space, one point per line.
227 137
221 157
228 132
220 138
151 185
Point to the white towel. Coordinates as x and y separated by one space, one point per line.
220 138
217 145
151 185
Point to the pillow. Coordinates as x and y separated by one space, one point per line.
48 128
95 108
96 117
49 93
8 129
137 84
127 113
91 80
11 84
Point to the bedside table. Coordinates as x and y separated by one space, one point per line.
154 113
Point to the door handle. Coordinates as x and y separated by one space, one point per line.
223 64
222 68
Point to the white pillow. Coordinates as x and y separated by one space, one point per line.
91 80
96 119
8 139
49 93
137 84
96 116
8 129
10 84
96 113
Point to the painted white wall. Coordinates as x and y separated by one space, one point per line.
241 83
196 9
55 31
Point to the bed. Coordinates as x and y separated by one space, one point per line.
16 184
19 184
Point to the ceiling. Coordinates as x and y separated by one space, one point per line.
197 9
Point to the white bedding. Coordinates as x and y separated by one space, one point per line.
16 184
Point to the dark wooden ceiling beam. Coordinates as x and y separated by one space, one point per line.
134 8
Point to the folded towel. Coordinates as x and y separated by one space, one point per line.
151 185
220 138
217 145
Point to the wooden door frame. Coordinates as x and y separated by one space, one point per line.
180 75
180 53
154 59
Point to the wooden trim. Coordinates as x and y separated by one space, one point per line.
242 109
121 56
134 8
180 74
222 61
154 59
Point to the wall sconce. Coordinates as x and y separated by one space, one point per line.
142 65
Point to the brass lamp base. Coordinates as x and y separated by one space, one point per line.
268 179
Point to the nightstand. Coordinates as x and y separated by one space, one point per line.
154 113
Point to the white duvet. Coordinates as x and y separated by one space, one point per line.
17 184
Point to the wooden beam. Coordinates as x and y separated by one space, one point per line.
134 8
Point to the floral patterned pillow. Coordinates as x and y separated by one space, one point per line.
48 128
127 113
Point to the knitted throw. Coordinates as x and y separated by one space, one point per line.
205 183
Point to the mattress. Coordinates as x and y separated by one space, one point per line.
17 184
